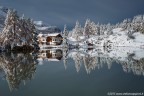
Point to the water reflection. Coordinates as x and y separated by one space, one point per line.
131 59
50 54
17 67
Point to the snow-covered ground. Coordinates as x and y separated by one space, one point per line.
118 38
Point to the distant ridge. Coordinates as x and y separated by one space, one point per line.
45 28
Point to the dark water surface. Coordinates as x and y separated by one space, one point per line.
77 73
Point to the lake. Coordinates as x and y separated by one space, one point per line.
73 72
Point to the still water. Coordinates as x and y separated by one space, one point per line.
72 72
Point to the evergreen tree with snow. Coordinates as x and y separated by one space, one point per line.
17 32
108 29
65 34
97 29
88 28
9 32
77 31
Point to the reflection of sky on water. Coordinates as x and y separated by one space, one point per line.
63 69
68 11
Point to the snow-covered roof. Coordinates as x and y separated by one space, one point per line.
40 35
53 34
50 34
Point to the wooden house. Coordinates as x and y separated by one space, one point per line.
50 39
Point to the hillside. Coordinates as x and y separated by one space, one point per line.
130 33
41 27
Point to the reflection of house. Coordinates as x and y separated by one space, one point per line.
50 39
51 54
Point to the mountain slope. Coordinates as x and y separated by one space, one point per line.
119 37
44 28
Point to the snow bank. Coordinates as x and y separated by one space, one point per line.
138 37
118 38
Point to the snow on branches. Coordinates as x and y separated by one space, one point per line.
18 31
91 29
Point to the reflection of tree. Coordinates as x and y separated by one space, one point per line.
78 61
89 63
137 66
92 62
17 67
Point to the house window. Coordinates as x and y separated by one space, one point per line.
43 55
54 39
44 40
53 54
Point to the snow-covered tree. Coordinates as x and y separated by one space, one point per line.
108 29
17 31
9 32
94 29
90 28
77 31
87 28
97 29
65 32
65 35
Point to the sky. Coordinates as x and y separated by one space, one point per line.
60 12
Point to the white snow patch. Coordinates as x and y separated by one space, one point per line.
38 23
53 34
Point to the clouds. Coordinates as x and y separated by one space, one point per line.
59 12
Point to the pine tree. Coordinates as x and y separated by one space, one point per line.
97 29
65 34
109 29
17 31
94 29
87 28
77 31
9 31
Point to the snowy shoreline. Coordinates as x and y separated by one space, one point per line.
119 38
19 31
